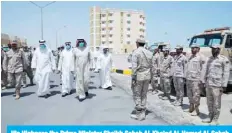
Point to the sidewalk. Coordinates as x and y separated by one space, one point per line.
176 115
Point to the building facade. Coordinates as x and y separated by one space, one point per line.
116 29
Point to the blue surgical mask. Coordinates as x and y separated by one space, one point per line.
42 47
81 44
6 49
68 47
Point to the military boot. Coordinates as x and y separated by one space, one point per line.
196 111
142 115
17 94
135 114
191 108
209 119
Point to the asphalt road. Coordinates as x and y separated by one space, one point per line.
102 107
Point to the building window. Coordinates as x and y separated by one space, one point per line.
128 29
103 22
128 15
128 22
110 28
103 15
103 29
141 30
111 42
141 36
110 14
128 42
103 36
111 35
110 21
141 16
141 23
103 42
128 35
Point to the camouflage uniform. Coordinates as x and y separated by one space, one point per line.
155 72
3 73
178 73
194 77
29 73
14 64
141 75
165 75
216 76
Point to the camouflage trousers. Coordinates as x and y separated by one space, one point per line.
179 88
155 83
213 95
165 84
28 73
15 79
3 78
193 92
139 90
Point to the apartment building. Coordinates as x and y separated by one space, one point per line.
116 29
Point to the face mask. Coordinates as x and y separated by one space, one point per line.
42 47
68 47
81 44
6 49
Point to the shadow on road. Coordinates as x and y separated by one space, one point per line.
53 93
185 106
91 95
6 94
24 94
92 87
53 86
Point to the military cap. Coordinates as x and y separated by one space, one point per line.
195 45
178 47
42 41
215 46
140 41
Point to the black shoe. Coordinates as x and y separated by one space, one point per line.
108 88
231 111
64 94
86 94
100 87
47 96
60 83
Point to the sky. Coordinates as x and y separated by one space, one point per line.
172 22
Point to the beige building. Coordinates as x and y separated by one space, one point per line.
7 39
117 29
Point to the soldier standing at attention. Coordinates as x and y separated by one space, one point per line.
178 73
165 74
216 78
194 76
141 75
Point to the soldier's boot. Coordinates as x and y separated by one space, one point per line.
24 85
191 108
17 93
196 111
135 114
209 119
142 115
31 82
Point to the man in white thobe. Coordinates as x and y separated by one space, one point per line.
105 67
43 64
82 60
66 66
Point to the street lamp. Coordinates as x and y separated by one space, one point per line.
41 9
57 34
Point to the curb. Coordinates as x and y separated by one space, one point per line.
122 71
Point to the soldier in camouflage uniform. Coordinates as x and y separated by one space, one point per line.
28 72
216 78
14 64
155 71
178 73
194 75
165 74
5 49
141 75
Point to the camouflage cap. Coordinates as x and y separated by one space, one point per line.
178 47
215 46
195 45
140 41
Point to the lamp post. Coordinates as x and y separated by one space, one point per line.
41 10
57 34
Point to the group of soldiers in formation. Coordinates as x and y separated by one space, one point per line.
196 71
74 64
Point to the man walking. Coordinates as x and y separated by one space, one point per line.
216 79
14 63
28 72
141 75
